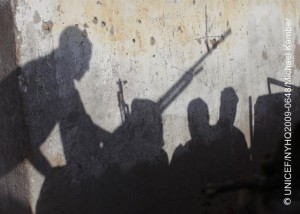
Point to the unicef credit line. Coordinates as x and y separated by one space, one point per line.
287 113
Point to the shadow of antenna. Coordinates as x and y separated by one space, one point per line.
251 121
187 77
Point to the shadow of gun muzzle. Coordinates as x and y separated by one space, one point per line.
187 77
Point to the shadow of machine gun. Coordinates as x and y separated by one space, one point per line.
187 77
177 88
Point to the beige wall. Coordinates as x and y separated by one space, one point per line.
151 43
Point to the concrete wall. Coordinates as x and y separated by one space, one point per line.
72 53
13 174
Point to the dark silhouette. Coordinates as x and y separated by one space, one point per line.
50 98
233 153
137 175
267 149
14 187
130 169
192 165
213 155
137 164
269 123
264 191
126 171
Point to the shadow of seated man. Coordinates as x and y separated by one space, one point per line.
230 145
192 165
134 181
215 154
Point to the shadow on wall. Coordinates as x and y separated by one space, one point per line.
215 154
126 171
13 177
269 121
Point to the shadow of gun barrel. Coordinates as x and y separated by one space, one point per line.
186 78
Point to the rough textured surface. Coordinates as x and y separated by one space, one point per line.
85 155
13 176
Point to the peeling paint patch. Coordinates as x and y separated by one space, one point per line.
47 26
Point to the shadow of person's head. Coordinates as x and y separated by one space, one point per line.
198 118
74 51
228 106
146 121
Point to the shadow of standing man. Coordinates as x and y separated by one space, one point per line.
50 98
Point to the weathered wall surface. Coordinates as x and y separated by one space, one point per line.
72 53
13 176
